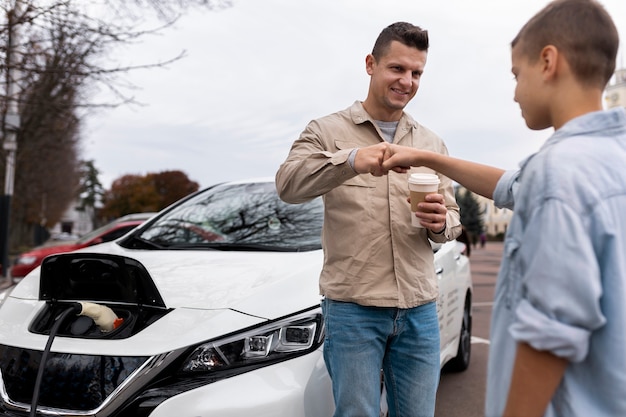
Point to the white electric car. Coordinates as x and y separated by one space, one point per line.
210 308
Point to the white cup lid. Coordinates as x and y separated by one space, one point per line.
422 178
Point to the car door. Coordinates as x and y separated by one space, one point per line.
449 303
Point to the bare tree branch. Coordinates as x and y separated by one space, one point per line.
65 49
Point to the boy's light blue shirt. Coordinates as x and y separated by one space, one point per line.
562 282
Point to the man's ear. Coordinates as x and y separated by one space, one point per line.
370 62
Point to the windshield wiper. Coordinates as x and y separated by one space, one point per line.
136 242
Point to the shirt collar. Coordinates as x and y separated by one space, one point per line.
588 124
359 116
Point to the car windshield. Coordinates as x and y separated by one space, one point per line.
241 216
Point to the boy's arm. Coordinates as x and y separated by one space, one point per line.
481 179
536 375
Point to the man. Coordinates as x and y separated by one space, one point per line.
378 278
558 327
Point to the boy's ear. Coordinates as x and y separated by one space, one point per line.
549 61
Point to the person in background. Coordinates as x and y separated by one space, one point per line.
464 238
558 326
378 280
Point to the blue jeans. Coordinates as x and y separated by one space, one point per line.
404 343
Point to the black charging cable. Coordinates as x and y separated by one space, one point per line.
76 308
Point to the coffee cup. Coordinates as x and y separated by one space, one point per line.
421 184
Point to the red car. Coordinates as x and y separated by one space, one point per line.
28 261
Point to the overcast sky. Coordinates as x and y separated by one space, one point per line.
257 73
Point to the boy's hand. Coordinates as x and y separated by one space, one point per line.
399 158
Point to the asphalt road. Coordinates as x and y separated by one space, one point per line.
463 394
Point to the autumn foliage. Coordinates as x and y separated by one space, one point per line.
151 192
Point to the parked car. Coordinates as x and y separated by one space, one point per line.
164 322
27 261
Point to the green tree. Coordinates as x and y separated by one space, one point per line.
90 190
471 212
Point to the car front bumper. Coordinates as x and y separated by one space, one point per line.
299 387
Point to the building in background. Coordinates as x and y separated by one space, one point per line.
495 220
615 92
73 224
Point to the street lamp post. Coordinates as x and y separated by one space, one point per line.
11 127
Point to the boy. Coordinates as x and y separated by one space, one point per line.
558 327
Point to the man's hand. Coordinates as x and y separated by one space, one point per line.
379 159
432 213
370 160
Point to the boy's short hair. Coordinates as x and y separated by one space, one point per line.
582 31
406 33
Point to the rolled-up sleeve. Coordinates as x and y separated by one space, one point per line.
559 304
504 193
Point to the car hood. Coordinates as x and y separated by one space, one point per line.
263 284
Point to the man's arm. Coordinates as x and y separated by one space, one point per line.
310 170
536 376
481 179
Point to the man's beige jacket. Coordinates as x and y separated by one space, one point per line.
373 256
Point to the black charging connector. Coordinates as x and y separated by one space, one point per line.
74 308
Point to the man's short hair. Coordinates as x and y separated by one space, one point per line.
581 30
406 33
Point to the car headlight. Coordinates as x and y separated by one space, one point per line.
25 260
260 346
234 354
